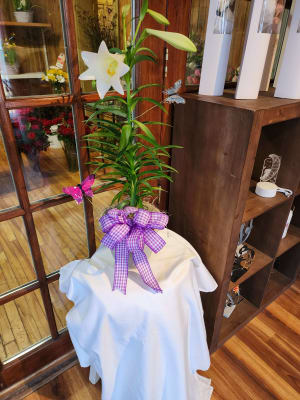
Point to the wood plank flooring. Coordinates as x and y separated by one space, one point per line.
62 237
261 362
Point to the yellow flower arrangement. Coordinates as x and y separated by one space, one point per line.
55 75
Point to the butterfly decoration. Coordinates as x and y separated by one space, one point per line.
81 190
173 97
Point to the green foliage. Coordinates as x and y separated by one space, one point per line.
22 5
127 150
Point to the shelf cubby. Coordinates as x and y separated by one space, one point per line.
292 238
260 261
278 282
256 205
243 312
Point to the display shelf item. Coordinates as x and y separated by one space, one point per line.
259 262
217 47
264 20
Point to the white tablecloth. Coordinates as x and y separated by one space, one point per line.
144 345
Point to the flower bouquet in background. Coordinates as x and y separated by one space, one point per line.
30 135
57 78
194 61
23 10
127 147
8 49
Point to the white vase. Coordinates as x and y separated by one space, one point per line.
23 16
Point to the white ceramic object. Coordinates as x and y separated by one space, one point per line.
269 189
23 16
217 47
259 31
288 84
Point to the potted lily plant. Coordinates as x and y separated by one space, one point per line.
129 153
23 10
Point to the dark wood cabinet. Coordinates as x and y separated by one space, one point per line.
225 143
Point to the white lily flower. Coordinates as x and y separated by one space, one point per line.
105 68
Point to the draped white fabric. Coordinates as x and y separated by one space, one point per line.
144 345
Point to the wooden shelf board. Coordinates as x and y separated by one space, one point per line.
297 193
256 205
292 238
276 285
260 261
25 24
243 312
27 75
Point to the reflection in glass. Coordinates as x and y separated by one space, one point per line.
22 324
61 234
16 267
198 22
45 138
8 197
224 17
98 20
29 49
271 15
61 305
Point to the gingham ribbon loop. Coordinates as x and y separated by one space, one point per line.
127 231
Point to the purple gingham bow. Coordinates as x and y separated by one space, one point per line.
127 234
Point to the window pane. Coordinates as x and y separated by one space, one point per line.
198 22
62 234
101 202
98 20
8 197
16 267
45 139
29 49
61 305
23 323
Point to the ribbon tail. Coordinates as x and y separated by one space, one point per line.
143 266
153 240
121 266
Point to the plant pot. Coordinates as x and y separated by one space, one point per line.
11 69
23 16
71 155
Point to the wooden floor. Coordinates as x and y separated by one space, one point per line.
261 362
62 238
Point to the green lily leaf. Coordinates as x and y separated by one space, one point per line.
175 39
125 136
125 10
144 9
161 19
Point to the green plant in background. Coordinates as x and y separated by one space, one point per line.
8 47
194 60
94 31
128 151
22 5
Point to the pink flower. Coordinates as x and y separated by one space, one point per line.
197 72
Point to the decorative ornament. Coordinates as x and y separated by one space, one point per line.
127 231
81 190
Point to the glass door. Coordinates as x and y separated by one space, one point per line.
42 111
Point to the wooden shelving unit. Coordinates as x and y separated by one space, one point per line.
225 143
